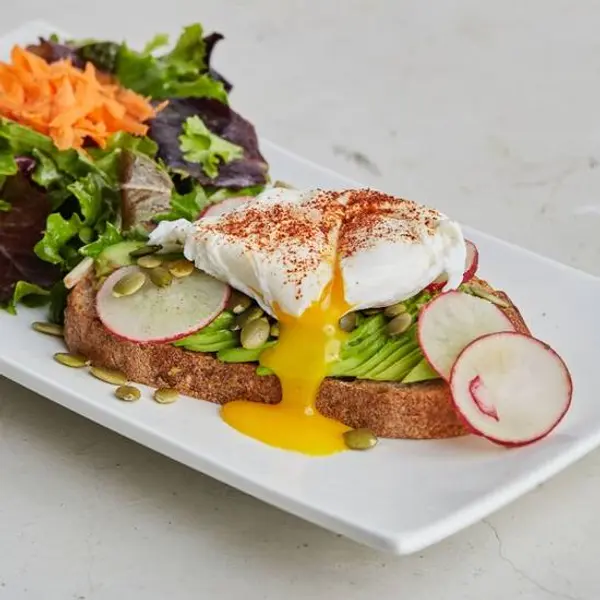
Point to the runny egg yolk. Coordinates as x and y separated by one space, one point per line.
307 345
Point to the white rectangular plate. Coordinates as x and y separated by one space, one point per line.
412 493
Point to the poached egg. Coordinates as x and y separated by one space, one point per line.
308 258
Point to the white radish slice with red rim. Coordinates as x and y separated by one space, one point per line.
471 266
471 262
224 206
450 322
161 314
511 388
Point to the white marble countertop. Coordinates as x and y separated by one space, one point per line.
490 111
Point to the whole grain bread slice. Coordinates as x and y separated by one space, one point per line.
414 411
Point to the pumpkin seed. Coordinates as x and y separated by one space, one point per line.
238 303
255 333
144 251
371 311
149 261
160 277
128 393
48 328
399 324
283 184
166 395
250 314
181 268
482 293
75 361
395 309
349 322
275 330
129 284
111 376
360 439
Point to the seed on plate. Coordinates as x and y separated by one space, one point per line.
275 330
166 395
160 277
149 261
395 309
399 324
250 314
128 393
144 251
238 302
111 376
181 268
477 290
349 322
48 328
255 333
283 184
129 284
75 361
360 439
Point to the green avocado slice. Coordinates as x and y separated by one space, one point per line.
422 372
399 369
242 355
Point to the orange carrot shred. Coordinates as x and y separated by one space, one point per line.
70 105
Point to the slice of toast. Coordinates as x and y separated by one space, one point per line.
412 411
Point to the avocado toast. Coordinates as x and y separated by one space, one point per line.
381 381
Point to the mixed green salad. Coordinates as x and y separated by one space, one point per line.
58 206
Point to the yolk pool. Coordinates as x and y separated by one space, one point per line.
306 346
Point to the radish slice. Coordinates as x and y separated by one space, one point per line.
77 273
224 206
472 261
471 265
161 314
511 388
451 322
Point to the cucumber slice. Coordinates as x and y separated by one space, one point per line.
115 256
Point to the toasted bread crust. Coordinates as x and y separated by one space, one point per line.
415 411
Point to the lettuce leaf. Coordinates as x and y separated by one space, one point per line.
29 294
45 172
200 145
109 237
220 120
58 232
20 229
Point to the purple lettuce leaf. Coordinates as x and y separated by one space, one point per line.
21 228
221 120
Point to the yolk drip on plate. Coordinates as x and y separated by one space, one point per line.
300 359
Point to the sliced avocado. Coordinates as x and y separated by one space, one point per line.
367 328
400 368
389 348
221 323
400 349
204 337
262 371
215 346
422 372
115 256
355 357
242 355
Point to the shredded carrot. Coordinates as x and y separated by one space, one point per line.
70 105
